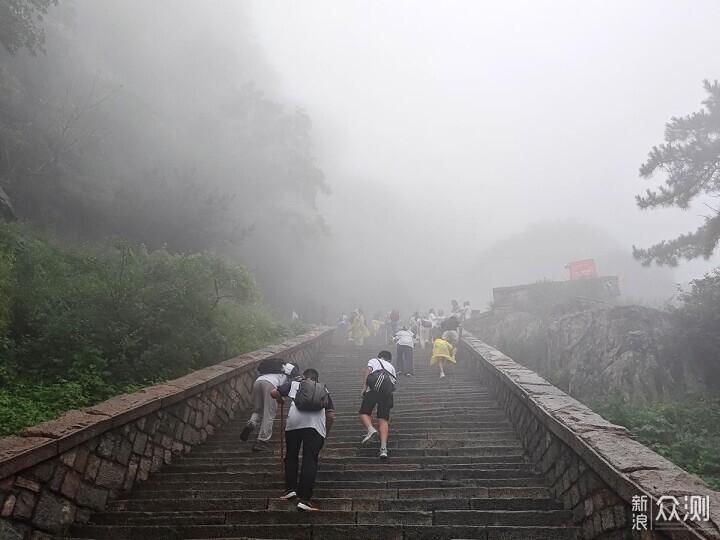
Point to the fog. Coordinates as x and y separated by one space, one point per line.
464 145
447 129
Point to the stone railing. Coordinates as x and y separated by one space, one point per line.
58 472
593 467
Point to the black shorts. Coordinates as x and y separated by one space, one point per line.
384 403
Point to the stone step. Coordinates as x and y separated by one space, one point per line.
347 476
474 451
310 530
457 469
435 442
492 492
346 465
344 484
255 459
365 504
289 514
231 435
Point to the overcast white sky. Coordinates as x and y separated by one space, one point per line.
494 115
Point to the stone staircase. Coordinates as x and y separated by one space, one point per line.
456 470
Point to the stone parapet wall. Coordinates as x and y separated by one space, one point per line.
58 472
593 467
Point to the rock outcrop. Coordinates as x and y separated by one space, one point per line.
591 349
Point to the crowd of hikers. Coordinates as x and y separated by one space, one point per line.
311 413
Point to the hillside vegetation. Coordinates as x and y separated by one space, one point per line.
80 324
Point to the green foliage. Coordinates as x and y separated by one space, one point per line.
23 403
691 158
696 327
686 432
19 24
84 323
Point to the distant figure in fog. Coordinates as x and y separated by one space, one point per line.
414 326
434 321
449 324
376 323
393 319
425 331
358 331
405 340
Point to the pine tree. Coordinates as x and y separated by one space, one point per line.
690 156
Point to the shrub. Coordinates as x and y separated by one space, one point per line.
686 432
696 332
79 324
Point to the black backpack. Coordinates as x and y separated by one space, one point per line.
311 396
271 365
381 381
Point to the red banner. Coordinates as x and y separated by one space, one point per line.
582 269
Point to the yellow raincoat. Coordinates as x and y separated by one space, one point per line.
358 331
442 349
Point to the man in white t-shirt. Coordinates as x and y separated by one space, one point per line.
265 407
372 398
405 340
308 429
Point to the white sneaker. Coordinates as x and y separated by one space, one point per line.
289 496
369 437
442 375
383 453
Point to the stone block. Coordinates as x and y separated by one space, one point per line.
82 515
91 496
607 518
179 427
26 483
8 506
111 475
143 469
190 436
58 477
583 484
574 495
24 505
128 407
53 512
152 423
81 458
140 443
93 465
578 513
624 453
71 429
12 531
44 470
70 484
131 472
620 517
124 451
20 453
7 483
107 448
68 458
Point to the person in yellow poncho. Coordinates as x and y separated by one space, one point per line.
444 350
358 331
